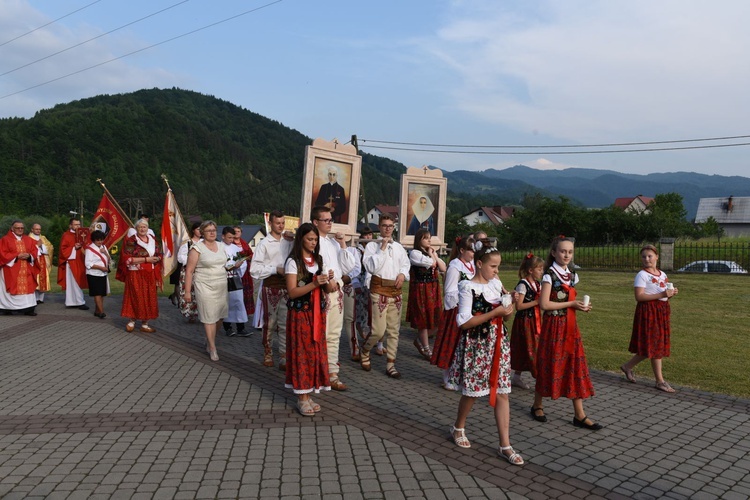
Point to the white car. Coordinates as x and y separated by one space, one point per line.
713 266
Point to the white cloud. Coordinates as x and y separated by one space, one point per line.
17 17
584 71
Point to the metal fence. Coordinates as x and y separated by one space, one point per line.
674 255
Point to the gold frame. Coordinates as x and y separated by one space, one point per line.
320 155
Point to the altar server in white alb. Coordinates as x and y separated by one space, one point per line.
236 267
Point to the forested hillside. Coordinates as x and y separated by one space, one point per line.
218 157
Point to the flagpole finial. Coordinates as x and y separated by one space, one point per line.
164 177
100 182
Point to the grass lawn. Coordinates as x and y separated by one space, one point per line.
710 332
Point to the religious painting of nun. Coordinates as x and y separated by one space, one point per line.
422 209
422 205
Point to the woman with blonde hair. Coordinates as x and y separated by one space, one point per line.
140 269
206 273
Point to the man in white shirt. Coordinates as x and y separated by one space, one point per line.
268 265
388 264
335 257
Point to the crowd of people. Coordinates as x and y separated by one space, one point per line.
313 288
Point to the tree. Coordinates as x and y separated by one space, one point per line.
711 227
667 217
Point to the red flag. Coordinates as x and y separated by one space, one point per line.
174 233
110 218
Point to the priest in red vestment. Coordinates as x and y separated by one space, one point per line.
19 260
71 267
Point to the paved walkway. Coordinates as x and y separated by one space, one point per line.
90 411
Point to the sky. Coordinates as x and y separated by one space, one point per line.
519 73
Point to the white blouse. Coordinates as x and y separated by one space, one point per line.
491 291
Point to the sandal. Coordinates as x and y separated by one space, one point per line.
629 375
315 406
517 381
392 372
461 440
381 350
513 459
305 408
424 351
338 385
664 386
365 364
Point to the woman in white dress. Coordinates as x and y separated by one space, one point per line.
206 272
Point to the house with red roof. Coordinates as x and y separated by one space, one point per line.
488 215
636 204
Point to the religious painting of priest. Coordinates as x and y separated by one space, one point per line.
331 187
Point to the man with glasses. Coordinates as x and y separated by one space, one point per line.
19 263
342 262
388 264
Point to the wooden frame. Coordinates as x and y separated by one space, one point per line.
422 187
321 159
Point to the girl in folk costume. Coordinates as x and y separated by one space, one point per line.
460 267
425 304
561 363
97 268
481 363
306 350
187 309
527 324
651 324
140 269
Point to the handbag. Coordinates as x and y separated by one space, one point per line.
234 283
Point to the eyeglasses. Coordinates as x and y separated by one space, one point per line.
325 221
387 226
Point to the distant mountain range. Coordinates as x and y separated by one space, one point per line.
223 159
595 188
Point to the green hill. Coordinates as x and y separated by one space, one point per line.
218 157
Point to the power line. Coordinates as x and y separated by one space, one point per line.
142 49
96 37
614 144
51 22
710 146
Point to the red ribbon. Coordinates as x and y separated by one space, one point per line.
496 355
569 342
317 324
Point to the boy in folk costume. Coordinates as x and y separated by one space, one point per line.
336 258
268 265
389 265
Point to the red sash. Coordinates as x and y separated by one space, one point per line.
496 355
569 343
317 324
104 261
